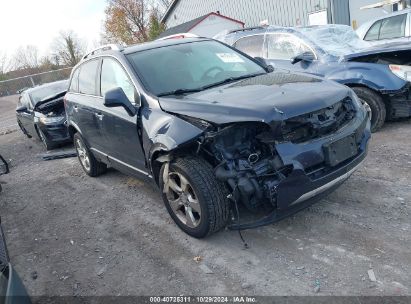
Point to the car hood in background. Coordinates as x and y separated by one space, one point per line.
50 100
380 49
271 97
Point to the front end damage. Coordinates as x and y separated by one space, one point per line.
282 166
51 119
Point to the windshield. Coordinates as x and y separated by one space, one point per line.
191 66
336 40
49 90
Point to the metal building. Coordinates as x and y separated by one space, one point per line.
282 12
252 12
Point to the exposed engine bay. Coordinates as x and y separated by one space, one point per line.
395 57
247 162
245 155
52 108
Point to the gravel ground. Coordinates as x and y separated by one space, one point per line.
69 234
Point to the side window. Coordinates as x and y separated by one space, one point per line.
393 27
87 77
74 81
114 76
284 46
251 45
374 32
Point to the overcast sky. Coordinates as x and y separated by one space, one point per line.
38 22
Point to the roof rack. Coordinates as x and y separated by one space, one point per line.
103 48
248 29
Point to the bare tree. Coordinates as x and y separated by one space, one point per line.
4 63
26 57
68 48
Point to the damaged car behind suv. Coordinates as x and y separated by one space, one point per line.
40 112
214 128
379 75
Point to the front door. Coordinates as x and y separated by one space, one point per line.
122 140
282 47
26 118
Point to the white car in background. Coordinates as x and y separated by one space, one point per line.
395 27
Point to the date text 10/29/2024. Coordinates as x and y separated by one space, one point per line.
203 299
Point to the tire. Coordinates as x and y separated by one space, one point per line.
46 143
209 195
376 103
87 160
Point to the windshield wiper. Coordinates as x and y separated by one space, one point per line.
179 92
209 86
228 80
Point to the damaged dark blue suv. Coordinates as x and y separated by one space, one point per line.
214 128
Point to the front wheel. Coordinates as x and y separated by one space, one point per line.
87 160
46 143
376 104
194 198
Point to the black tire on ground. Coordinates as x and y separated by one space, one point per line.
376 103
46 143
210 193
91 166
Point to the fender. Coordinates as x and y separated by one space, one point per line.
162 133
375 76
71 124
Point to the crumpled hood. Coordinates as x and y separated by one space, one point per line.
271 97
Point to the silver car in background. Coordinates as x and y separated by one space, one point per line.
395 27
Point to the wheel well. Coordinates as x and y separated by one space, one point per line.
156 164
72 131
37 131
358 85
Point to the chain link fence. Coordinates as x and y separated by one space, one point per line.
16 85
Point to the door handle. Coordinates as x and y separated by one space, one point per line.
99 116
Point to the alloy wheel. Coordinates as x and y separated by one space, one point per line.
83 154
182 199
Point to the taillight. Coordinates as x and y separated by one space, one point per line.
402 71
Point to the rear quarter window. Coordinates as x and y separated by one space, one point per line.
74 81
252 45
87 77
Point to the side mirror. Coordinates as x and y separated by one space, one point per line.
21 109
268 67
117 98
306 57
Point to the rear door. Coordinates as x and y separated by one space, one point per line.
85 104
122 140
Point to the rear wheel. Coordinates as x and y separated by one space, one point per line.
376 104
87 160
194 198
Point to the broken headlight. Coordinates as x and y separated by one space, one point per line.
402 71
51 120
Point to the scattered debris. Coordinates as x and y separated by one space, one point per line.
371 275
102 270
71 242
34 275
317 286
59 155
245 286
198 259
205 268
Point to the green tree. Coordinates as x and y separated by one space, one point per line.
155 26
